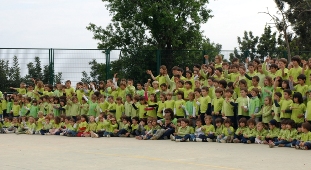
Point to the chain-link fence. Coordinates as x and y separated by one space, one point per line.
59 65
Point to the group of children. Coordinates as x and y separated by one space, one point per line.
236 102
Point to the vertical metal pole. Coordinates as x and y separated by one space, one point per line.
158 53
107 52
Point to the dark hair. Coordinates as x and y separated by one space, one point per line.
163 84
85 117
180 93
244 89
279 94
219 69
284 122
287 84
230 84
137 119
291 123
243 120
256 78
302 77
227 121
274 66
296 58
229 91
251 121
205 88
218 120
306 125
289 92
185 120
169 110
223 83
188 82
298 96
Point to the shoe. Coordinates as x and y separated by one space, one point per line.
304 148
47 133
229 139
153 138
271 145
198 139
281 145
265 142
92 134
95 135
209 140
223 141
297 147
61 134
236 141
178 140
165 138
30 132
249 142
108 136
172 137
256 142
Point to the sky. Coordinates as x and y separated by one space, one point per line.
62 23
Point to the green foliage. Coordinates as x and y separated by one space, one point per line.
158 30
268 44
11 76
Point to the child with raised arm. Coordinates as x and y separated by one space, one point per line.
273 132
301 87
21 90
241 129
260 133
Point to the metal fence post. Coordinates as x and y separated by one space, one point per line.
107 52
158 61
51 66
203 54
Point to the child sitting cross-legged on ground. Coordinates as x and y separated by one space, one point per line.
208 129
273 133
305 140
260 133
183 133
227 132
239 132
250 134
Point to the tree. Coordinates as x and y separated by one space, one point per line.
4 69
85 77
14 74
151 25
282 25
298 15
247 46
